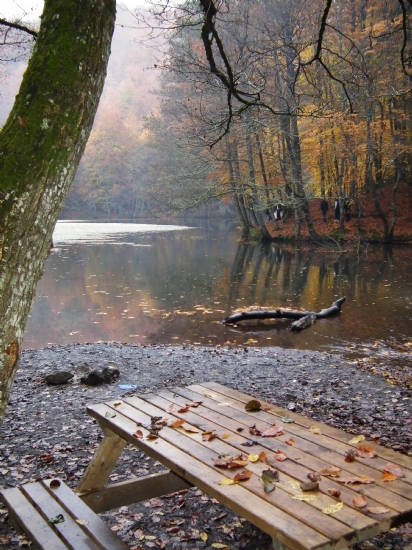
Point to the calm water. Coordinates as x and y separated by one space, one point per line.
171 284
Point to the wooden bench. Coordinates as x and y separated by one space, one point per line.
287 514
32 506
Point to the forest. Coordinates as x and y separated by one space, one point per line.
289 104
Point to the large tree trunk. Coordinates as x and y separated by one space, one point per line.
40 147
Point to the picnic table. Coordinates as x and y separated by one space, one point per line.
359 502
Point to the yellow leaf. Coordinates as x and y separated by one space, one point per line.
225 436
117 403
227 481
332 508
306 498
203 536
294 484
220 545
357 439
315 430
82 521
253 458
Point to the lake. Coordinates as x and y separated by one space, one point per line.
175 283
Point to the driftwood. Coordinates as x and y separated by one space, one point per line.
284 314
304 322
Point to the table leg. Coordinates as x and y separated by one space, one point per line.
102 463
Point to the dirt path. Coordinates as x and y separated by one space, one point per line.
46 432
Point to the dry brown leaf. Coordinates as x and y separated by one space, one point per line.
139 434
177 423
190 430
332 471
253 405
280 456
357 439
359 501
394 469
290 441
351 480
315 430
152 436
262 457
388 477
194 404
334 492
183 409
242 476
227 481
378 510
208 436
272 431
363 451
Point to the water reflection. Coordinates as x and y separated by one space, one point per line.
173 287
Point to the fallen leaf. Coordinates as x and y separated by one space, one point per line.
138 434
262 457
287 419
210 395
334 492
20 121
357 439
309 485
183 409
170 408
294 484
208 436
314 430
249 443
253 405
238 461
203 536
110 414
82 521
313 476
151 436
177 423
272 431
254 431
220 545
350 455
194 404
242 476
280 456
305 498
388 477
363 451
117 403
268 478
394 469
332 471
190 430
153 503
253 458
290 441
225 436
359 501
227 481
57 519
54 483
352 480
332 508
378 510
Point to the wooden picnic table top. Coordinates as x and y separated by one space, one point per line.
298 519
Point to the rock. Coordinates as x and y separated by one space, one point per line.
82 369
59 377
94 378
110 374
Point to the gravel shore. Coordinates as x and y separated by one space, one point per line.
47 433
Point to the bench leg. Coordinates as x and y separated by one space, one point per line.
277 545
102 463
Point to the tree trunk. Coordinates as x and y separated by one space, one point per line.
40 147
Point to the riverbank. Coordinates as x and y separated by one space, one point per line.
46 432
367 227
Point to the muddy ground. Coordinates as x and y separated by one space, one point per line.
46 432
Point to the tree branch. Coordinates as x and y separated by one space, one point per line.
19 27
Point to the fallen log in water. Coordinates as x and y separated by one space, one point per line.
283 314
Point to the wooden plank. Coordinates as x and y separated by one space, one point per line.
95 529
340 435
349 515
310 461
30 521
70 531
135 490
276 523
308 443
102 463
309 514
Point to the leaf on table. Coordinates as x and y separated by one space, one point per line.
332 471
253 458
272 431
194 404
332 508
266 408
117 403
238 461
268 478
253 405
242 476
309 485
315 430
240 429
394 469
190 430
183 409
334 492
279 456
110 414
378 510
294 484
287 419
170 408
305 498
359 501
139 434
54 483
350 455
210 395
314 476
363 451
254 431
290 441
82 521
262 457
225 436
227 481
249 443
357 439
388 477
151 436
177 423
57 519
352 480
209 435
